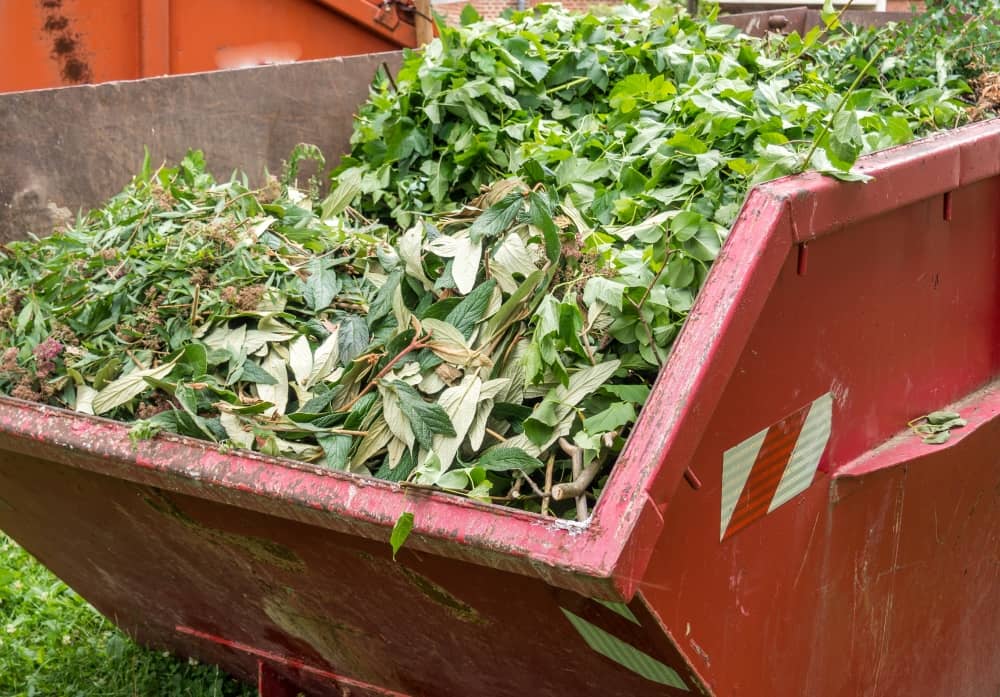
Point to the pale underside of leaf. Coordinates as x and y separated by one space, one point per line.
125 388
276 394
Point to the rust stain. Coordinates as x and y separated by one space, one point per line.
67 45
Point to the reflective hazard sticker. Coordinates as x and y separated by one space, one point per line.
610 646
774 465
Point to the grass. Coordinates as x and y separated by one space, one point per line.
53 644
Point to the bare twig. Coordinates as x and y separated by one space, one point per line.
495 434
515 490
548 483
534 487
578 487
576 459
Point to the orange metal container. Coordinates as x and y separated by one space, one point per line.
50 43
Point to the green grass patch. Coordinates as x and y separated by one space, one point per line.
53 644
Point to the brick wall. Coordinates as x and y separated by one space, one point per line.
493 8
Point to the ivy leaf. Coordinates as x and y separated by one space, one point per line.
611 419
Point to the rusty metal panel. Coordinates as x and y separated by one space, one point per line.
861 18
47 43
761 22
51 43
766 19
73 148
306 608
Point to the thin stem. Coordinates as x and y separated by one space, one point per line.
534 487
347 432
495 434
548 483
836 22
843 101
566 85
417 343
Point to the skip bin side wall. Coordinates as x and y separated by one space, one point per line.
329 612
881 576
75 147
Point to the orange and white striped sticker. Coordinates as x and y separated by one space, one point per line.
774 465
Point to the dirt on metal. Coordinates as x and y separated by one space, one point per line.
265 551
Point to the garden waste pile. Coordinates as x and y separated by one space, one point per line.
483 300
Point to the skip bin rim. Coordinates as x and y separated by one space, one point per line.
607 556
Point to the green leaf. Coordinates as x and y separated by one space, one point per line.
192 362
636 394
688 143
254 373
353 338
400 532
846 139
469 16
600 289
381 304
501 459
540 214
497 218
426 418
468 313
337 450
348 186
686 225
321 287
300 359
611 419
942 417
937 438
